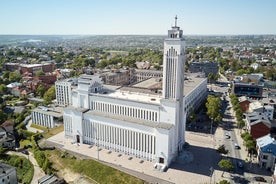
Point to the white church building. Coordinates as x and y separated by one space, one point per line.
141 120
135 122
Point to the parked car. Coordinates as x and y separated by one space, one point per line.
25 152
237 146
259 178
240 164
227 136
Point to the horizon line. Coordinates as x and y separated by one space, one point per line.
254 34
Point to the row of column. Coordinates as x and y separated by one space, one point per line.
63 94
42 119
125 111
119 139
68 129
143 76
171 74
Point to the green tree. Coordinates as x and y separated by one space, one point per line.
39 73
49 95
2 150
3 116
225 164
47 166
213 106
224 182
102 64
241 124
14 77
192 116
18 117
6 75
3 89
222 150
40 90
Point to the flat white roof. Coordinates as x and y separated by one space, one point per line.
34 65
135 96
55 112
191 84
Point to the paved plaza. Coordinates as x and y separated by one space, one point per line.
193 166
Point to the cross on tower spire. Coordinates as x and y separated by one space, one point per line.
175 22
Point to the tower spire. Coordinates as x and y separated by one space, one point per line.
175 21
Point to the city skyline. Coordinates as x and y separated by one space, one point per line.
211 17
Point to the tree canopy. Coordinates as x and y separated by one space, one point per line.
40 90
39 73
225 164
222 150
14 77
3 89
213 106
49 95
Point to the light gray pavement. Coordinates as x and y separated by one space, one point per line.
197 171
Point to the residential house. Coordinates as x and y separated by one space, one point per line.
7 174
14 88
244 103
266 148
257 106
257 124
7 138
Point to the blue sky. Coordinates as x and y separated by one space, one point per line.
147 17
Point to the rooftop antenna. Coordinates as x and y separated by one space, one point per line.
175 22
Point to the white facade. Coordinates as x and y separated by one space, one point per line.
258 106
147 126
195 92
63 92
266 148
173 79
48 117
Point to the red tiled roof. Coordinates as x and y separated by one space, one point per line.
7 123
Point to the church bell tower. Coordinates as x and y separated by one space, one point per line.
173 63
173 80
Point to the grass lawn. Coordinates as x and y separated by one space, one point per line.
90 168
38 127
53 131
25 143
